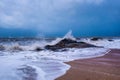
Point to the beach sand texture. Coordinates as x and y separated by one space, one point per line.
102 68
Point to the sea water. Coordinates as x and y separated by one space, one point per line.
19 60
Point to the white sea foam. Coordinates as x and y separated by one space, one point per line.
47 64
29 47
114 44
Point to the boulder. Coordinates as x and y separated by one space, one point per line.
96 38
68 43
38 49
110 40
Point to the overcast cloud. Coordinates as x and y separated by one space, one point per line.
50 15
21 13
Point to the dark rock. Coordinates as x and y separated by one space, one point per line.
96 38
110 40
68 43
38 49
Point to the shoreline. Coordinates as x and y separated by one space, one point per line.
106 67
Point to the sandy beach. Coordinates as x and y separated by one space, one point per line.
102 68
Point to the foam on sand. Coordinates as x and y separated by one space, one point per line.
48 65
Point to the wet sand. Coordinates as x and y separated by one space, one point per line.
102 68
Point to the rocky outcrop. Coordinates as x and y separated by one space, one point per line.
68 43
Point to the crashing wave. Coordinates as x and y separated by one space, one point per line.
67 36
36 46
15 47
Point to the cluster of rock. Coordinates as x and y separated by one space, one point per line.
68 43
99 38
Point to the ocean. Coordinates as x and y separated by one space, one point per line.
20 60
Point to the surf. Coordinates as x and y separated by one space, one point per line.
20 59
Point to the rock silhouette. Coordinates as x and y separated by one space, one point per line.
68 43
96 38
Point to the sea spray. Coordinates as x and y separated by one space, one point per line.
67 36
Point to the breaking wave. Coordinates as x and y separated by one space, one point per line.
33 45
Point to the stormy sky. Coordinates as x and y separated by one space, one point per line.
52 18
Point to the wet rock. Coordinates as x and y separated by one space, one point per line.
38 49
68 43
96 38
110 40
